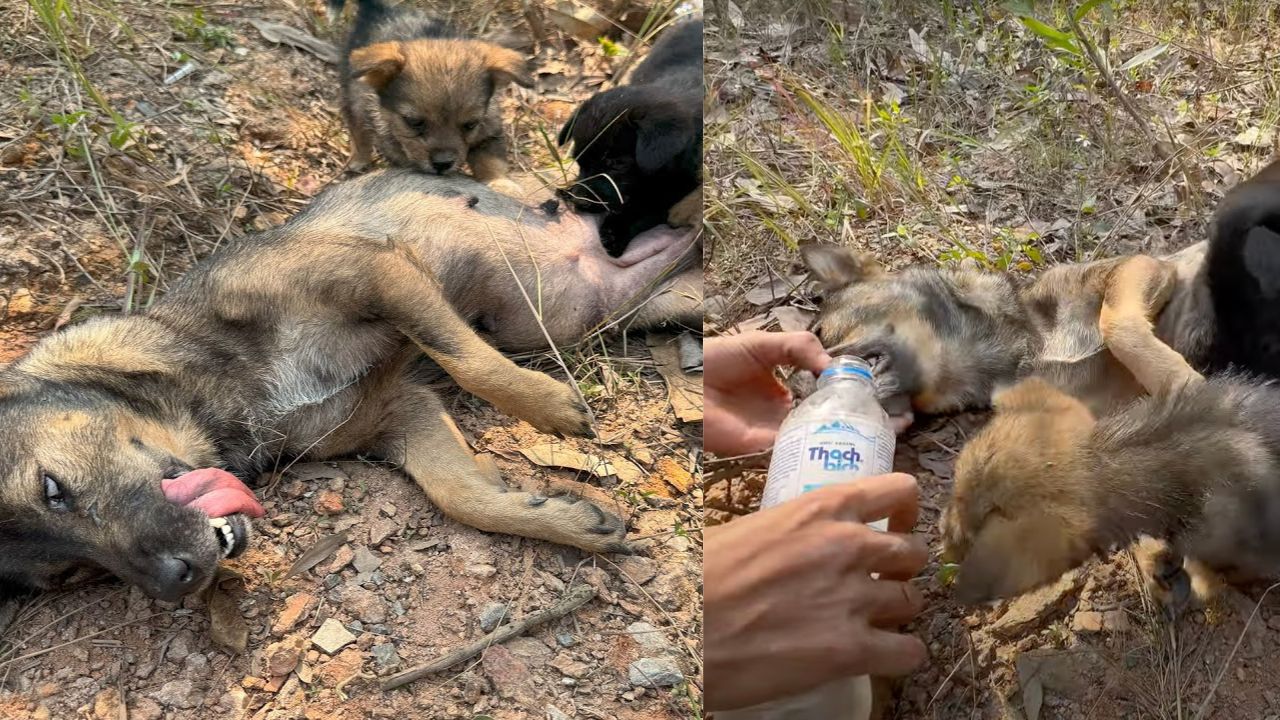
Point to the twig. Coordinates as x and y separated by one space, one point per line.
574 599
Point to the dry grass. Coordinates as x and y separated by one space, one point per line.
935 132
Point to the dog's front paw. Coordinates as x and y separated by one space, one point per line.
592 528
554 408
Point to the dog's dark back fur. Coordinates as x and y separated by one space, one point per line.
377 22
1243 275
639 146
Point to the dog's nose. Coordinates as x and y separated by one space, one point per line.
442 167
176 575
443 162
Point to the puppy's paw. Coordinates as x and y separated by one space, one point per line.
553 407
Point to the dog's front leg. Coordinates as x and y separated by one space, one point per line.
420 437
1135 294
412 300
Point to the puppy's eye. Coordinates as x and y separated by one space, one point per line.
469 126
417 125
54 495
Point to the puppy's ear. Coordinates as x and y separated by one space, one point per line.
1011 556
566 132
377 65
836 267
660 138
507 66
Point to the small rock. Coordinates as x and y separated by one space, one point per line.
570 667
329 503
385 655
654 673
388 509
648 637
282 657
510 676
365 561
639 569
1115 620
178 694
346 664
381 530
480 570
145 709
532 651
107 705
366 605
553 713
332 637
1088 621
1033 608
294 606
565 640
332 581
180 646
492 616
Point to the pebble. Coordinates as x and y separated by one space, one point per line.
341 558
294 606
144 709
388 509
385 655
639 569
654 673
481 571
1088 621
648 637
554 713
368 606
365 561
493 615
332 637
180 646
282 657
381 530
332 580
180 693
329 503
565 640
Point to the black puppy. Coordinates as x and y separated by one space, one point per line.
639 146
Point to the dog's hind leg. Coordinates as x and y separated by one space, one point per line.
1136 292
412 300
421 438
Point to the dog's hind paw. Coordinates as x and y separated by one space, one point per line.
594 529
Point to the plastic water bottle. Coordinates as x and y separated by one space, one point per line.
837 435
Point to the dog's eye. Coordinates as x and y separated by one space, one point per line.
417 125
469 126
54 495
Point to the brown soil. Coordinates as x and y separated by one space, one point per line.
237 146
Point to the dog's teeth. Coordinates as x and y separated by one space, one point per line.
218 522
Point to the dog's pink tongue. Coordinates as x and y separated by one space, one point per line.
216 492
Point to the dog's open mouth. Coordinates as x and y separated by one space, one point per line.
220 495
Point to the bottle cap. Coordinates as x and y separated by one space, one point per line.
847 366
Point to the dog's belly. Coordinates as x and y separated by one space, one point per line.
317 358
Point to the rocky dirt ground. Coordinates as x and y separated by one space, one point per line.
933 132
135 138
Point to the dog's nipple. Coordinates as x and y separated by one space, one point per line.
550 207
472 201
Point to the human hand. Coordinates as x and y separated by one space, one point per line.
789 600
744 402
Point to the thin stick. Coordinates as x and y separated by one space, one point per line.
574 599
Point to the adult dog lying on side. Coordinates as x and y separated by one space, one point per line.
298 342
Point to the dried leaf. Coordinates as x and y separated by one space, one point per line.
675 475
564 456
316 554
792 319
684 391
936 463
770 291
294 37
1255 137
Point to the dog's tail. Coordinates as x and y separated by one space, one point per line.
367 11
1243 276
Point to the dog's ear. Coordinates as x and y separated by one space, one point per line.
377 65
1010 556
835 267
661 137
566 132
507 66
